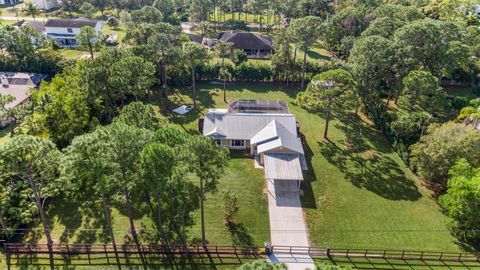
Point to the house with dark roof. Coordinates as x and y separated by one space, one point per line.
64 31
254 46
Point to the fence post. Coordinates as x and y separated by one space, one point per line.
441 255
384 253
403 253
329 256
459 256
421 256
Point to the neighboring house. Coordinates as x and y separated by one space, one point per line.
9 2
254 46
266 129
63 31
45 4
19 85
37 26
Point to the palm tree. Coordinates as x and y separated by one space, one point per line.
32 10
223 49
470 115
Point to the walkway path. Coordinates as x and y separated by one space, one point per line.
287 224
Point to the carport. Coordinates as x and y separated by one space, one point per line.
283 167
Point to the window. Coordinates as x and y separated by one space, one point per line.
69 30
237 143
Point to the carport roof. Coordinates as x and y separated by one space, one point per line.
283 167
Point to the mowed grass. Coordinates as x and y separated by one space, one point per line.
358 193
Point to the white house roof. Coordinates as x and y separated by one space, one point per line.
272 131
280 144
283 167
244 126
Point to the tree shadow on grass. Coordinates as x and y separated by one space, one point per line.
240 235
361 157
308 198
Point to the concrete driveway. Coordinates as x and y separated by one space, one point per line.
287 224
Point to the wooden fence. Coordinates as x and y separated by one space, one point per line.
126 250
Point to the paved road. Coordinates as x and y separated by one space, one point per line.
287 223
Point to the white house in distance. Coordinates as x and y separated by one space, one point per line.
63 31
9 2
266 129
45 4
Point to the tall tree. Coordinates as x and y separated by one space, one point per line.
371 59
158 164
423 88
195 55
87 173
32 163
328 91
208 162
88 10
161 45
306 31
462 202
224 49
440 148
282 59
89 38
139 115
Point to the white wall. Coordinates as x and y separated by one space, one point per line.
64 30
45 4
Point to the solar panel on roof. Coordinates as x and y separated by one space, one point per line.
259 106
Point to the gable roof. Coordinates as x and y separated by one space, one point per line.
243 126
272 131
280 143
246 40
75 23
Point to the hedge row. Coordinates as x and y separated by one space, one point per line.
250 72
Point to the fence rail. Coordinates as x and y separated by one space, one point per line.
315 252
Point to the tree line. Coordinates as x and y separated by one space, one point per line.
133 162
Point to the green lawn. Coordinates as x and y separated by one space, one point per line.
358 191
357 194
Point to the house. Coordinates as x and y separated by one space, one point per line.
37 26
266 129
19 86
254 46
45 4
9 2
64 31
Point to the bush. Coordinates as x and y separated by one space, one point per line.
238 57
